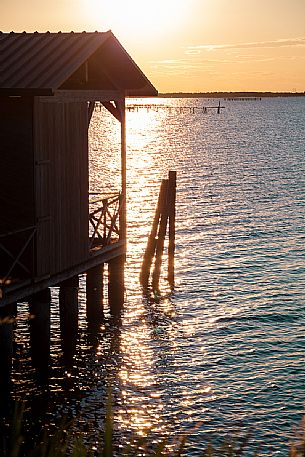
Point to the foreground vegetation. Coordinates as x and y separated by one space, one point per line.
62 443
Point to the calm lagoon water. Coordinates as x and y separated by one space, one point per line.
225 352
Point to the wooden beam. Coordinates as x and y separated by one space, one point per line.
90 111
82 96
113 108
96 258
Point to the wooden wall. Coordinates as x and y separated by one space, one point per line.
16 178
61 191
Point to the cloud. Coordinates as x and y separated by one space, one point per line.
178 67
292 42
189 64
195 61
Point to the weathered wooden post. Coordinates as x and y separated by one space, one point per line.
161 237
172 178
151 243
165 214
39 305
116 266
123 218
116 284
68 308
94 295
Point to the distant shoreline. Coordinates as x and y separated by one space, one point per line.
229 94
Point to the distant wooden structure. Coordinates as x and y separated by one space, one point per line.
176 109
51 229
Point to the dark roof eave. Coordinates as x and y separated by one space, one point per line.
26 92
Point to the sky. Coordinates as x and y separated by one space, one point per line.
187 45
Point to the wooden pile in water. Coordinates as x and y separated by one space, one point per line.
164 218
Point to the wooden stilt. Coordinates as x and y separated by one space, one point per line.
40 332
151 243
171 224
165 213
116 285
94 294
123 227
161 238
68 307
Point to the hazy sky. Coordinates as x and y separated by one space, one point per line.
187 45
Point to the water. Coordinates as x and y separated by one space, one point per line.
225 352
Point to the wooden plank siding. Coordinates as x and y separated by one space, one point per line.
61 152
16 181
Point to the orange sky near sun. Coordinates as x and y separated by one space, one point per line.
187 45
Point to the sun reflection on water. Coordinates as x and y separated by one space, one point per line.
226 347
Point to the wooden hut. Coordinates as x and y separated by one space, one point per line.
49 83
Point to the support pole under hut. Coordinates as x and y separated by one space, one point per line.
116 285
95 276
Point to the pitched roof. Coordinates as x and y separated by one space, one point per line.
39 63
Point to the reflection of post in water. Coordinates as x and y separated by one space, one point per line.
164 218
116 285
95 282
68 306
95 295
39 305
6 353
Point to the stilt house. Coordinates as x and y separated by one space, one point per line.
49 83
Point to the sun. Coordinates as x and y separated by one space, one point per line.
151 19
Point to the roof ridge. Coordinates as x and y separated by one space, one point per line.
48 32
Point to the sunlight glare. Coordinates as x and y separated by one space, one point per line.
150 19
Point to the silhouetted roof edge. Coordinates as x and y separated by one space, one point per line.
39 63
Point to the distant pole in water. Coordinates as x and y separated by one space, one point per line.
218 109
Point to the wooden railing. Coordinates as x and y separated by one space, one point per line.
104 215
15 257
